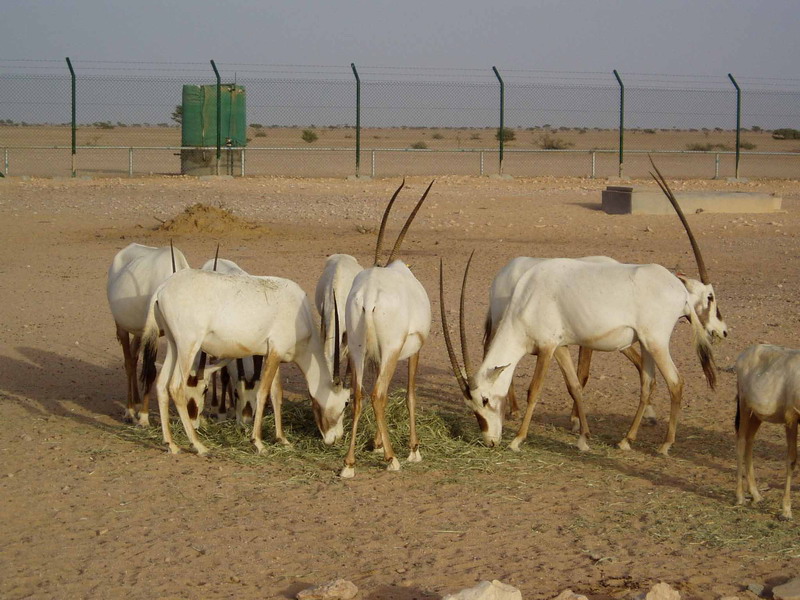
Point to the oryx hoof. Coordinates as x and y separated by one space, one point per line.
576 424
664 449
624 444
283 442
202 450
173 448
515 443
260 448
414 456
394 464
377 449
583 446
786 515
347 472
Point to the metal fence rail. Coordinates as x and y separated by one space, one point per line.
123 119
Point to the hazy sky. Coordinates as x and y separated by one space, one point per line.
757 38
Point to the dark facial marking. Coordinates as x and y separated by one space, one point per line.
482 423
192 406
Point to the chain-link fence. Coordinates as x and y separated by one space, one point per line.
125 119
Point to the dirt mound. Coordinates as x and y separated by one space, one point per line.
202 218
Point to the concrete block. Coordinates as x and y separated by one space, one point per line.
622 200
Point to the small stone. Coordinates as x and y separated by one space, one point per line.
487 590
755 588
339 589
662 591
570 595
787 591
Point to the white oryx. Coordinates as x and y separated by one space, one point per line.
332 289
600 306
768 389
134 274
236 316
388 318
702 298
245 372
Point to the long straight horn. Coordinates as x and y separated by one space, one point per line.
408 224
462 328
460 377
662 183
336 356
216 257
379 244
172 253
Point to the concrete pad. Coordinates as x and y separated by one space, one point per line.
622 200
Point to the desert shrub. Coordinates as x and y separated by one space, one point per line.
475 136
505 134
309 136
256 125
649 131
745 145
786 134
437 136
419 146
551 142
707 147
261 134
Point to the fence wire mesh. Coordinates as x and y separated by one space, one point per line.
302 121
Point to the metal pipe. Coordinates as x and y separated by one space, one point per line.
74 122
502 133
358 119
621 121
219 114
594 164
130 162
738 120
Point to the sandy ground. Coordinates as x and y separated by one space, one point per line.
90 511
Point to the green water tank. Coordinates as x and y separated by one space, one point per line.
199 128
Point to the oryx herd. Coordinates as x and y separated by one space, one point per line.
220 319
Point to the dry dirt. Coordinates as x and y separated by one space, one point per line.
92 511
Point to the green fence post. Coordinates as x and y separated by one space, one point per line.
502 134
358 119
621 121
738 120
219 114
74 123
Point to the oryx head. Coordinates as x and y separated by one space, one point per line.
246 389
329 407
701 293
485 395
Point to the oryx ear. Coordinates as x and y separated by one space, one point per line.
495 373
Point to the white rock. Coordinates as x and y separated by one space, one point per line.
570 595
487 590
662 591
788 591
339 589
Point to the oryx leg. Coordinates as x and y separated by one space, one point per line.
271 362
647 375
675 386
411 400
380 398
791 463
649 417
542 362
276 398
188 414
162 391
130 358
348 470
564 361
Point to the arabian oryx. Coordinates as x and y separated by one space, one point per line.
503 287
600 306
768 389
388 318
133 276
236 316
245 372
333 287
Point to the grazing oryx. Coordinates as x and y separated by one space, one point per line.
333 287
500 294
768 389
236 316
388 318
134 275
246 372
601 306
